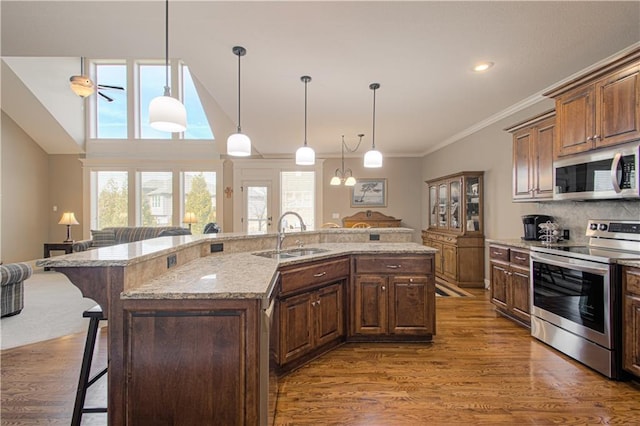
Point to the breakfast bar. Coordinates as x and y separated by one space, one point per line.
194 321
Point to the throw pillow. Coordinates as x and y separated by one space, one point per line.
103 238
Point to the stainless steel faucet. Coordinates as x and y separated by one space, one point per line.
281 235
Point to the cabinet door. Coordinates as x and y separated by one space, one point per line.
575 121
631 349
433 206
542 159
443 205
618 108
296 322
329 313
370 314
499 276
522 174
438 256
409 310
455 205
450 261
519 293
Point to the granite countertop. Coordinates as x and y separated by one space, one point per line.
245 275
131 253
527 244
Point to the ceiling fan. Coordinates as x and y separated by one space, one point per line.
83 86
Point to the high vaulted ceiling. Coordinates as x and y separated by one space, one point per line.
421 53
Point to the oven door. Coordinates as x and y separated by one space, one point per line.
574 295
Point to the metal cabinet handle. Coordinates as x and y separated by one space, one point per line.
313 303
394 266
383 288
318 301
520 258
321 274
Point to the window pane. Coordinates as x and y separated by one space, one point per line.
156 198
257 213
152 82
197 124
109 199
298 195
111 116
200 198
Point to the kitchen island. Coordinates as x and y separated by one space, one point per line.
190 316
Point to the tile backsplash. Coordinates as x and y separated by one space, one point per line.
573 215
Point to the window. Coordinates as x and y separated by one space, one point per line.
111 117
152 82
156 198
197 123
297 193
109 198
199 198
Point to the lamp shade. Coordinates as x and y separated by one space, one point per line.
351 181
239 145
335 181
167 114
82 85
190 218
373 159
68 218
305 156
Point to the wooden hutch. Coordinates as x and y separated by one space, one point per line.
456 228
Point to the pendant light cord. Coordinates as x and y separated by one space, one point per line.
305 111
373 133
239 127
166 49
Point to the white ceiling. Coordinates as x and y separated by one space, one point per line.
421 53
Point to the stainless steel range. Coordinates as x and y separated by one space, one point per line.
577 294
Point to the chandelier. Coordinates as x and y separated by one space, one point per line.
345 176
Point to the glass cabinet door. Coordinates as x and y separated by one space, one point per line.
455 187
433 206
472 210
443 199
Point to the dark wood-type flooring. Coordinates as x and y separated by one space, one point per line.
480 369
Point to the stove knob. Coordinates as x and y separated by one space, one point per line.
593 226
603 227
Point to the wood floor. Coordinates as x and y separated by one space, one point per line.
480 369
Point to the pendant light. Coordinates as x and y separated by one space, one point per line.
345 176
166 113
373 157
82 84
239 144
305 156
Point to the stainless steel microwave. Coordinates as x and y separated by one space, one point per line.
604 174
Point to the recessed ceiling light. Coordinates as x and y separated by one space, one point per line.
482 66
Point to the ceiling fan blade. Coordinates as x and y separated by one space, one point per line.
104 86
105 97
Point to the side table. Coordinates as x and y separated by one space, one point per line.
48 247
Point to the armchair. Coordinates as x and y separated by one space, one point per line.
12 291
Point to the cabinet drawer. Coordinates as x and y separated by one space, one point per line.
392 265
518 257
312 274
499 253
632 277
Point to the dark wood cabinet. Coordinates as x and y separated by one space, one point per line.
509 276
631 321
393 298
599 109
311 316
533 144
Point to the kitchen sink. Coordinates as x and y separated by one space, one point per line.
290 253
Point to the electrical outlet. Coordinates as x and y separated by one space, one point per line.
172 260
335 215
374 237
216 248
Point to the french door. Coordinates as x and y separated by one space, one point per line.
257 213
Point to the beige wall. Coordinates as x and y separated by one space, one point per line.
25 198
404 185
65 193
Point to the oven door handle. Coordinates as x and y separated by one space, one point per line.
577 264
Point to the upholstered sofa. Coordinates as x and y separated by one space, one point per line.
126 234
12 283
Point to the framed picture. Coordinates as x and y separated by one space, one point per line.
369 193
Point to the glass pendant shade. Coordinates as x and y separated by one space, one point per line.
335 181
373 159
239 145
305 156
167 114
351 181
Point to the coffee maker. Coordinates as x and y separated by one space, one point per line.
530 222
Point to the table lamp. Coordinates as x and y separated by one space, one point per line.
68 218
190 218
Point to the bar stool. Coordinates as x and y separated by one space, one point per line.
95 315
